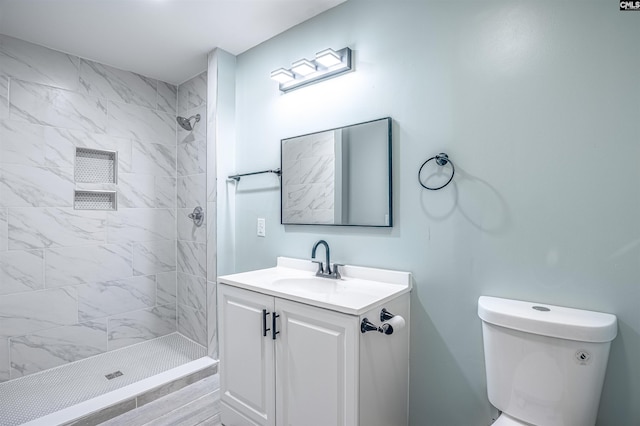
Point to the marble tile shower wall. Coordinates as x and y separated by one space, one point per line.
191 192
310 163
77 283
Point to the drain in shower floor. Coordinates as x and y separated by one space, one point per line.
113 375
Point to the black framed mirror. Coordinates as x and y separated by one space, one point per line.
339 176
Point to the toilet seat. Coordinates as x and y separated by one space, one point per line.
507 420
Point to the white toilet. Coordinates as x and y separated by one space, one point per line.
545 364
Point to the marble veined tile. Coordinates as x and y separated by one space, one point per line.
192 258
136 190
188 231
138 326
310 196
4 97
103 299
295 149
22 143
143 124
61 146
311 146
26 186
98 186
141 225
167 97
154 159
31 228
24 313
192 291
318 215
192 93
319 169
292 173
212 320
49 106
4 229
192 157
192 191
36 63
192 323
212 237
163 404
183 98
211 172
57 346
323 216
151 257
5 361
166 192
296 216
114 84
323 144
166 288
36 145
85 264
21 270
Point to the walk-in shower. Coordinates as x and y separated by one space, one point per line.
185 123
102 304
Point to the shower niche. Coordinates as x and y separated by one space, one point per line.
95 200
93 166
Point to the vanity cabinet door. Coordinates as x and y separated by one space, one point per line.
247 374
317 365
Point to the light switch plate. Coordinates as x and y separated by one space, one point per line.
261 227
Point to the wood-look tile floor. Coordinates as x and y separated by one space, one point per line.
196 404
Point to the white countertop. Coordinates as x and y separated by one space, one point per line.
359 289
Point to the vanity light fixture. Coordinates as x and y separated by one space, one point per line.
304 67
328 63
282 75
328 58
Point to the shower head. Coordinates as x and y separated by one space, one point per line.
185 123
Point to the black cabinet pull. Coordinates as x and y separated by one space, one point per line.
273 325
264 323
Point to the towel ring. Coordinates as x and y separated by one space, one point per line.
441 160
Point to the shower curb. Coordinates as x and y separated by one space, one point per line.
115 403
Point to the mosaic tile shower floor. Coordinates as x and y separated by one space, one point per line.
36 395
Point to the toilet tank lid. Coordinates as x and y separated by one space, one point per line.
548 320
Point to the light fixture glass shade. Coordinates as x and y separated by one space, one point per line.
329 63
282 75
303 67
328 58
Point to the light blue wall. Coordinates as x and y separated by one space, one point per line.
538 105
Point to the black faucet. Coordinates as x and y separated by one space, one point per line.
322 272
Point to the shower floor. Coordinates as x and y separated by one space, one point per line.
40 394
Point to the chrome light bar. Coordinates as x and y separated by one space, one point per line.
327 64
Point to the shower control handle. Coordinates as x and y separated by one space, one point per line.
197 216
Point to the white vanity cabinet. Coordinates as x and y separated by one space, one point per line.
313 353
248 383
286 362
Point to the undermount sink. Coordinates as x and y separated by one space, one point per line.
294 279
310 284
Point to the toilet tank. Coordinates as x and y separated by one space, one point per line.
545 364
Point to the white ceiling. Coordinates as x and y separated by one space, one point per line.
164 39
